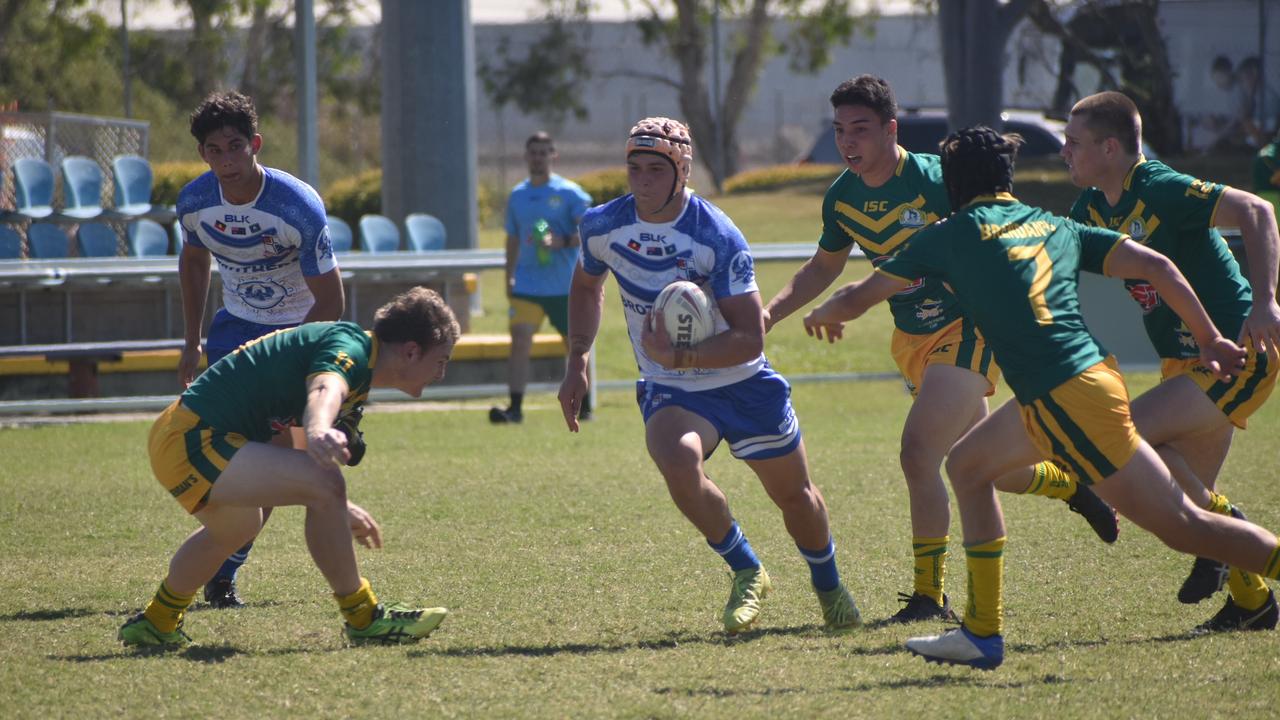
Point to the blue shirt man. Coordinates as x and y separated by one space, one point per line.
540 262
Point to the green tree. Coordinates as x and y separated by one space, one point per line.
544 81
1119 35
51 56
682 28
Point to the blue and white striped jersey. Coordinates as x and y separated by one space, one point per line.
702 245
265 248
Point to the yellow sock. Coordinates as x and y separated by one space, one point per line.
984 614
1273 565
1219 504
166 608
1248 590
1048 480
357 608
930 565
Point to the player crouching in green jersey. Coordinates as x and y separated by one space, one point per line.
1014 269
210 451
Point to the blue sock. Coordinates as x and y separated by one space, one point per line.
735 549
233 563
822 566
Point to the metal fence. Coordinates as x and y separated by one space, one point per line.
54 136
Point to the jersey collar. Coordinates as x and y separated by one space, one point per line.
374 346
998 197
1128 178
902 161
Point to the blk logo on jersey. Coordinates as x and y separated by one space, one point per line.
1145 295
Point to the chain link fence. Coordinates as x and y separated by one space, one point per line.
54 136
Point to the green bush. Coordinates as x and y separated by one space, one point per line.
781 176
604 185
168 178
351 197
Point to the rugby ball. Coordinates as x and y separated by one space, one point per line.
686 313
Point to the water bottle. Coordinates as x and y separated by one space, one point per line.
542 236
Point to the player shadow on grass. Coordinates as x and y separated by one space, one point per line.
71 613
207 654
669 641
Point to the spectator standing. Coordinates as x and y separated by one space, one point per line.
543 212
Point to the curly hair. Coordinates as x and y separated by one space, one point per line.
224 109
977 161
418 315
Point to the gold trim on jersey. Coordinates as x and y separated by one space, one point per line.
902 160
998 197
1128 178
1147 227
878 226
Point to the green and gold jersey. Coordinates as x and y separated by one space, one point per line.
261 388
1266 173
1015 269
881 219
1171 213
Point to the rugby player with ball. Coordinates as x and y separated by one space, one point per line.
698 390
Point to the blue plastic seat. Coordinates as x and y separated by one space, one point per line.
132 179
426 232
47 241
340 236
378 234
97 240
33 188
81 188
147 238
10 243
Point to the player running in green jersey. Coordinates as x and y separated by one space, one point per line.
1014 269
1191 415
210 450
886 195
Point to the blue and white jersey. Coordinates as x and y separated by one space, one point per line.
561 203
702 245
265 248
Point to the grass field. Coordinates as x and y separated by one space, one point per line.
577 589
